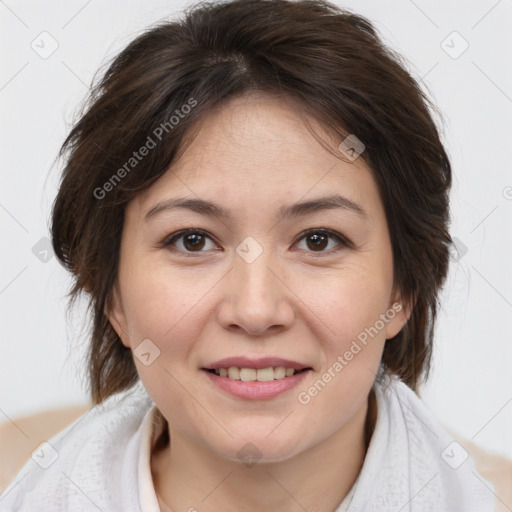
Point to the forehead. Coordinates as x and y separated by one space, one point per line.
257 151
259 131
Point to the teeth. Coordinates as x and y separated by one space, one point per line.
280 372
234 373
252 374
248 374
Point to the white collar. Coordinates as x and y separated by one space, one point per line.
147 495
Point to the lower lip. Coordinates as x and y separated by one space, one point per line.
256 390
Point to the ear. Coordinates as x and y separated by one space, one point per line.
116 315
399 312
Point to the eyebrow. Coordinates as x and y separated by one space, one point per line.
211 209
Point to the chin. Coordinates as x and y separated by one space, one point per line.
259 449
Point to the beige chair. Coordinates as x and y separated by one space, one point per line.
19 438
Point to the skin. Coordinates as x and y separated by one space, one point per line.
254 155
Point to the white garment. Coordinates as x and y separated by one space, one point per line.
147 495
103 463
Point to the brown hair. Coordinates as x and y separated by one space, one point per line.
333 64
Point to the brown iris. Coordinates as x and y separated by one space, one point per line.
319 241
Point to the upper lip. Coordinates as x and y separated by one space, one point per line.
263 362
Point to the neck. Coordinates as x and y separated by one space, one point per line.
190 476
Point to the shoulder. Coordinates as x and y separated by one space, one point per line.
492 469
413 454
89 463
20 436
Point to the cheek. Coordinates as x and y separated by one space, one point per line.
353 348
350 300
158 299
350 305
166 310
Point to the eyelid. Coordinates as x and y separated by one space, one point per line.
167 242
343 241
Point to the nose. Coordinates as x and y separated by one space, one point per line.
256 297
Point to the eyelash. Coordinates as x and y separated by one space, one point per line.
343 241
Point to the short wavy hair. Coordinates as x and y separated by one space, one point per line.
335 67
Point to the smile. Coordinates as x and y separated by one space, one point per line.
252 374
248 386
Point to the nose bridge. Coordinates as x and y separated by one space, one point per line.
257 299
255 279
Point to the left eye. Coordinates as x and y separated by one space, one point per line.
318 239
194 240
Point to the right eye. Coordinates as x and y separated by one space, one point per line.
187 241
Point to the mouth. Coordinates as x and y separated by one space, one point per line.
256 374
256 379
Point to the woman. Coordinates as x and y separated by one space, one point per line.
256 203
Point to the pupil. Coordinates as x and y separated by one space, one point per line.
194 241
319 241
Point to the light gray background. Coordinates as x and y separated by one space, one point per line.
470 389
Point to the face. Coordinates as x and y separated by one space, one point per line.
259 280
